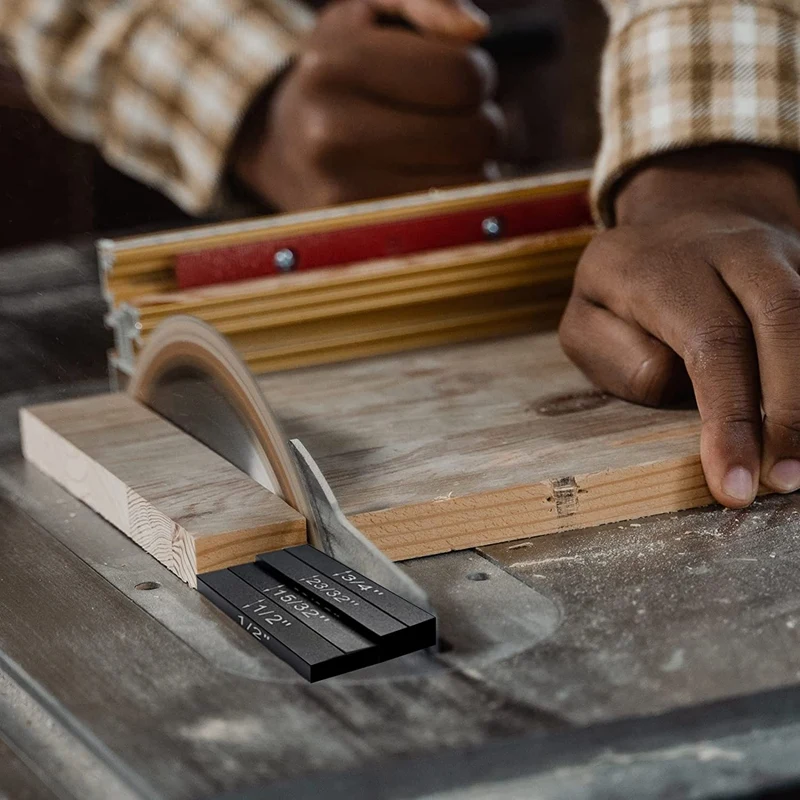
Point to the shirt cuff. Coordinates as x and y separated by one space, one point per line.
692 75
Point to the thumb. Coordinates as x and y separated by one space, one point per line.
455 19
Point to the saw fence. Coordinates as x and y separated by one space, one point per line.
336 284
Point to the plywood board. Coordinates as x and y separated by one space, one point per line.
473 444
437 450
180 501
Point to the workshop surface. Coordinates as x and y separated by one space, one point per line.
656 658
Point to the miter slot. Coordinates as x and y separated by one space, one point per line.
304 608
393 635
355 582
305 651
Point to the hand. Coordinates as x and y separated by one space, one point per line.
368 111
700 276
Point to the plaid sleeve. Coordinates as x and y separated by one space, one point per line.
682 74
160 86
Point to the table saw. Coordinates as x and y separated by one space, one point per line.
646 658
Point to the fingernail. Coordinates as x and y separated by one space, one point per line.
738 485
785 475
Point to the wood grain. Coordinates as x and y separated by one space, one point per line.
349 288
370 307
187 688
176 498
18 781
473 444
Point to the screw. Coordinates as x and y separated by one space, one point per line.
285 260
491 227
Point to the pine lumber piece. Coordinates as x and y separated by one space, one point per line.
473 444
432 326
449 321
173 496
355 336
252 319
415 335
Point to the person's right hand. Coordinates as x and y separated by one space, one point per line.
368 110
700 278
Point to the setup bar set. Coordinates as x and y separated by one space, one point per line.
316 614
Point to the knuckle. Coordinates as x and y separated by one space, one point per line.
733 418
319 131
333 189
755 242
779 313
569 333
785 418
717 341
313 66
744 252
332 18
606 251
329 193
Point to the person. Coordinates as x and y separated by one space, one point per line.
693 280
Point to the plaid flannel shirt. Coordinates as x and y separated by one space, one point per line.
162 85
682 73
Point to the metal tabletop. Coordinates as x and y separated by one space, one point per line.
657 658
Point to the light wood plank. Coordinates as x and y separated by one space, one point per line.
387 305
177 499
474 444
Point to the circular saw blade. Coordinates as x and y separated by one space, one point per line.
189 374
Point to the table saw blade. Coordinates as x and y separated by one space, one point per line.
190 374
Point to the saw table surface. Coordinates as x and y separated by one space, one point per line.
650 659
579 662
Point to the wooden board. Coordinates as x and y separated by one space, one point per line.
176 498
440 450
17 780
473 444
378 299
